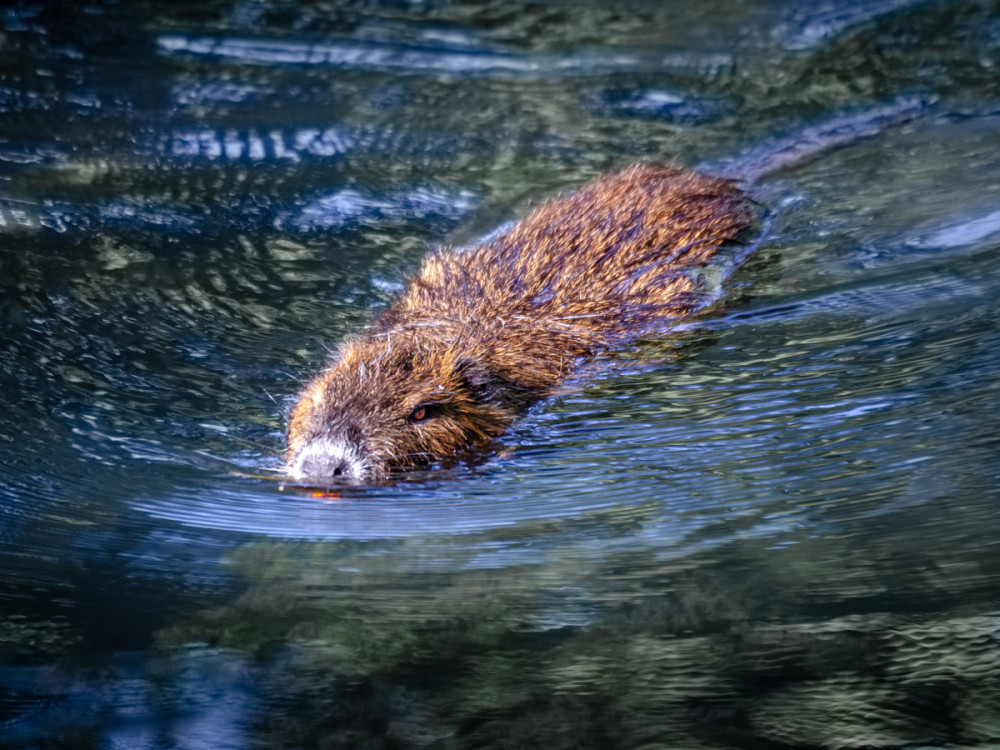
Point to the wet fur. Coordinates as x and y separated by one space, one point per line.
480 335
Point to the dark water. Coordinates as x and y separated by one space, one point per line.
775 527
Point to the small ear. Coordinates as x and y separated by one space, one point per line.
482 384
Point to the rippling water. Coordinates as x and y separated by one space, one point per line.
773 526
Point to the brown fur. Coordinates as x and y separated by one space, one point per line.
480 335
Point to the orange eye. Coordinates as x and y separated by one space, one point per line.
419 413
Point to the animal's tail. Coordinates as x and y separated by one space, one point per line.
802 146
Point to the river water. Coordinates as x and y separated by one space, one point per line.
775 526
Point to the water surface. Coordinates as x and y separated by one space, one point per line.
773 526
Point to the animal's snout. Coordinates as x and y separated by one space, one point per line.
325 459
322 465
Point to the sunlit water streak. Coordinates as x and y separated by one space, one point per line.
464 63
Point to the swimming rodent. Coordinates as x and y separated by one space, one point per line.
479 335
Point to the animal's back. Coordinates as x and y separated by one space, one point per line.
616 253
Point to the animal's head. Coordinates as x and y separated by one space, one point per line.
387 404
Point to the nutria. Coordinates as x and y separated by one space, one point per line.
480 335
